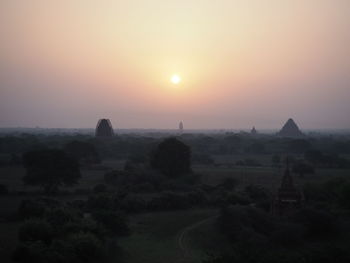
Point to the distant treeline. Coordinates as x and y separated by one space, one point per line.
202 146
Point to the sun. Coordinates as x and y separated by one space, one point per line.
175 79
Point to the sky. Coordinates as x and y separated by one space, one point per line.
242 63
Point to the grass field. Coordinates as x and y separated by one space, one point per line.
8 240
155 236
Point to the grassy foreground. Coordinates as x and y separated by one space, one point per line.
155 236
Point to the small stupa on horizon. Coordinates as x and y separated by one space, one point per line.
253 131
181 126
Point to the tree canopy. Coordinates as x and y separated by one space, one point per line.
82 151
50 169
172 157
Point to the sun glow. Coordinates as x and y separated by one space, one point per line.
175 79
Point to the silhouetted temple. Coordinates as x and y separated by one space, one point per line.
290 129
288 198
253 131
181 126
104 128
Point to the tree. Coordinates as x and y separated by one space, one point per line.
35 230
302 168
172 157
82 151
314 156
50 169
276 159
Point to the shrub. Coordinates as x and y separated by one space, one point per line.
100 188
35 230
114 222
84 226
30 252
63 170
31 208
242 222
229 183
100 201
288 234
256 192
59 216
169 201
317 223
87 247
344 196
143 188
3 189
197 197
133 204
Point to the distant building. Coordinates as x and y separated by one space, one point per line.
290 129
253 131
104 129
288 198
181 126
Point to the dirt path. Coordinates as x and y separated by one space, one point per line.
186 251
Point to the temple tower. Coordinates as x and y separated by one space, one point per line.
290 129
104 129
253 131
181 126
288 197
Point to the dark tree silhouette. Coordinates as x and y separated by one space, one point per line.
302 168
172 157
82 151
50 169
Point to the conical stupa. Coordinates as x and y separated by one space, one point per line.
290 129
104 128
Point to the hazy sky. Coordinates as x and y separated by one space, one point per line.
67 63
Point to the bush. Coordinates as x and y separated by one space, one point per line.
59 216
30 252
133 204
31 209
87 247
84 226
3 189
287 234
114 222
63 170
169 201
100 188
317 223
35 230
100 201
344 196
256 193
237 199
229 183
143 188
242 223
197 197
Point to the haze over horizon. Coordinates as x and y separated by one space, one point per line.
66 64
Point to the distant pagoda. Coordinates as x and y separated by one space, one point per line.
253 131
288 198
290 129
181 126
104 129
